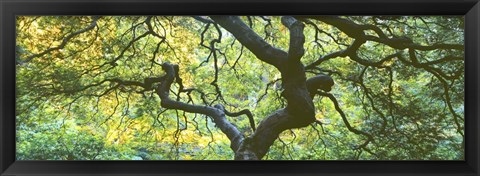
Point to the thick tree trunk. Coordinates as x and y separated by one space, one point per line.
298 113
300 110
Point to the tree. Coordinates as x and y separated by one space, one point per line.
360 87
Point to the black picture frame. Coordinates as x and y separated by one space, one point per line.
10 8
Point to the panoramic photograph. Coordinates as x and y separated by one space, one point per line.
240 88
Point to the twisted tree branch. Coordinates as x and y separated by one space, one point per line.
251 40
216 112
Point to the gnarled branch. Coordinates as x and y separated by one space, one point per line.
251 40
297 39
236 114
216 113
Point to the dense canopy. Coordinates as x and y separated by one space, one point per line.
246 88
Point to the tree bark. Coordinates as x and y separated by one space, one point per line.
299 111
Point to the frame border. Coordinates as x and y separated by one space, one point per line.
10 8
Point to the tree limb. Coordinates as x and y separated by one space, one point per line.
297 39
242 112
345 120
217 114
64 41
251 40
